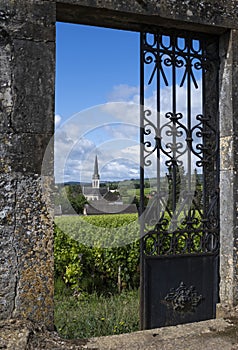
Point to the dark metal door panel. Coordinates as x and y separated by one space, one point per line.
179 290
179 158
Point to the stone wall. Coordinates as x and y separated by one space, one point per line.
229 167
204 15
27 69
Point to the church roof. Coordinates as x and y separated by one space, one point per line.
90 191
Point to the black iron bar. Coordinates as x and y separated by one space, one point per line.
141 208
180 226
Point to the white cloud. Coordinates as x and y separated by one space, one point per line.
119 169
112 132
58 119
127 112
69 154
123 92
115 161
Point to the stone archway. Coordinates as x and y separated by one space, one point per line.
27 64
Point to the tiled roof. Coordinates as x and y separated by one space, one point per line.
102 207
89 191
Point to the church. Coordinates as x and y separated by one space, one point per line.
101 200
95 193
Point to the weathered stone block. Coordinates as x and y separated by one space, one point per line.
8 271
26 245
203 12
7 200
29 19
6 96
34 75
225 98
227 240
33 242
24 153
226 153
214 15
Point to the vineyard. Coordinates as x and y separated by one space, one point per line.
97 253
97 271
102 252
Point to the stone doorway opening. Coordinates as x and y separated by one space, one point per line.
27 87
174 49
97 173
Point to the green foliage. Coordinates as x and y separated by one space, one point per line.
86 316
113 185
136 201
111 220
70 198
91 253
101 230
102 252
177 236
198 198
176 182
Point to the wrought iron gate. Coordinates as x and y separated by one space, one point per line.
180 161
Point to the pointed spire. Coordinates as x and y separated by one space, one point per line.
96 177
96 174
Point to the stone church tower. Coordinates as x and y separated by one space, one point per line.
96 177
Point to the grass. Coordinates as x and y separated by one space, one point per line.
91 315
136 192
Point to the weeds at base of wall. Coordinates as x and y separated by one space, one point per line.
92 315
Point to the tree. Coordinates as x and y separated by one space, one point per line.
71 199
176 180
112 185
198 197
136 202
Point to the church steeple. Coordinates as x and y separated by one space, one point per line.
95 177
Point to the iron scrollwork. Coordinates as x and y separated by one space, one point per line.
174 50
183 215
183 299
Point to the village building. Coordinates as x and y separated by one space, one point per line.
103 201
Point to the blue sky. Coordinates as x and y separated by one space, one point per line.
91 62
97 74
97 103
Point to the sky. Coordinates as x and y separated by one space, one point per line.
97 103
97 75
92 65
